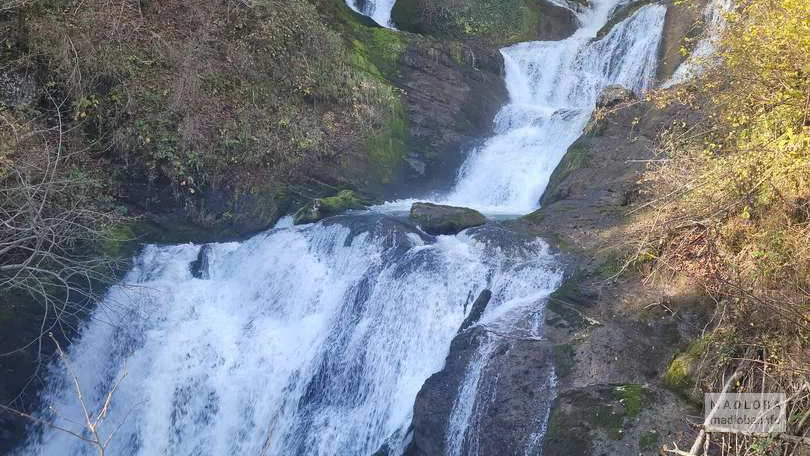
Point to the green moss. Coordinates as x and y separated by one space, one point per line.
321 208
648 441
501 22
387 145
578 413
575 158
678 376
564 360
633 397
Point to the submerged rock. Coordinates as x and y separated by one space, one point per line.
437 219
613 95
200 268
321 208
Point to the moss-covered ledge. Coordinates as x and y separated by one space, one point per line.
499 22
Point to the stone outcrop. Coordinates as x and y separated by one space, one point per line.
613 95
612 342
478 308
498 22
451 93
508 410
436 219
321 208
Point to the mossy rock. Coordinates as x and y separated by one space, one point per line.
575 158
648 441
681 370
564 360
321 208
566 301
437 219
500 22
578 416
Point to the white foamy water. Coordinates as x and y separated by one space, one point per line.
310 341
315 340
553 88
702 54
379 10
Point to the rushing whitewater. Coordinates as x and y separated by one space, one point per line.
379 10
315 340
553 88
310 341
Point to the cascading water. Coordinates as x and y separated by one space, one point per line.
310 341
553 88
315 340
714 20
379 10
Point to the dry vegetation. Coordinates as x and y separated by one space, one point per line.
261 98
730 208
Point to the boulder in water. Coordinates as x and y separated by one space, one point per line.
322 208
613 95
200 268
437 219
477 310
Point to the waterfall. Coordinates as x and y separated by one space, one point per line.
310 340
553 88
714 24
379 10
315 340
462 422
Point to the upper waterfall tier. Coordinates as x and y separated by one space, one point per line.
379 10
553 87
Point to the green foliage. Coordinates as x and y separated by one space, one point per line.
277 92
731 205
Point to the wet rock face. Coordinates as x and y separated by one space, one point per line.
499 22
452 91
437 219
613 95
200 268
508 406
478 308
17 89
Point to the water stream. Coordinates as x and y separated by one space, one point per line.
315 340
